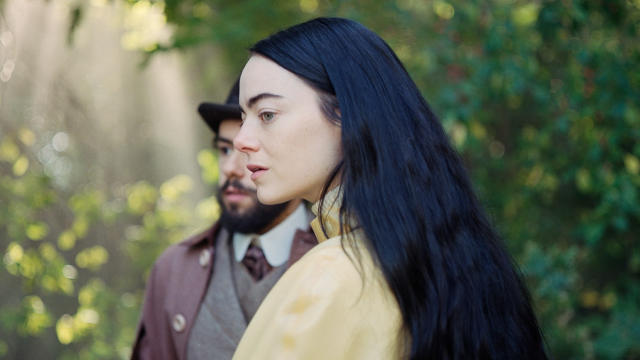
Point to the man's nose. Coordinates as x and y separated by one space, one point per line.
235 165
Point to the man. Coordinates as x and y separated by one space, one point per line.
202 292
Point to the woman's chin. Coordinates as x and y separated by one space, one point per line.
268 198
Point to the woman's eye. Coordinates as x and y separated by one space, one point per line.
267 116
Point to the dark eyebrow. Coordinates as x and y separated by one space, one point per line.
221 139
259 97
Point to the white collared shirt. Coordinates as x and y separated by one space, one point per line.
275 243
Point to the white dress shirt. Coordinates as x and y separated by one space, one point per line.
275 243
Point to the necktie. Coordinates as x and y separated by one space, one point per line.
256 263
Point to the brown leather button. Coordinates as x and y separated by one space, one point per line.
179 323
205 257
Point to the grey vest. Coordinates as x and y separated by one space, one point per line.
232 298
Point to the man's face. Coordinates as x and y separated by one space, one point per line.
241 210
236 188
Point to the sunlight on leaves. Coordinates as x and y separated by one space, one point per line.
69 272
443 9
66 240
9 151
92 258
309 6
12 257
64 329
14 253
37 317
27 136
141 197
87 295
49 283
80 226
583 180
535 175
37 231
21 166
208 209
209 166
632 164
31 264
526 14
85 319
172 189
478 130
145 26
458 133
201 10
87 201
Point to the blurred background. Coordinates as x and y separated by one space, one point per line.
104 161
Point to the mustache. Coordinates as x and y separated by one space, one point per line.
236 184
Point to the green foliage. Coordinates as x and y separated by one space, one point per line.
73 288
540 98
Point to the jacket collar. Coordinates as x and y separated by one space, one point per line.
206 237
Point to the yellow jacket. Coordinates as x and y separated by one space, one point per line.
329 305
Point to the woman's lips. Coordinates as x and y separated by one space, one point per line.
256 171
257 174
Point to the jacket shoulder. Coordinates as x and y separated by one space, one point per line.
329 267
177 254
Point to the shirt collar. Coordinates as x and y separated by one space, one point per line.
276 243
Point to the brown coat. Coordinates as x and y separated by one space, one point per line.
176 287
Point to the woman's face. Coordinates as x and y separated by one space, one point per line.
292 148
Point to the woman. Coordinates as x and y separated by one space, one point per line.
408 265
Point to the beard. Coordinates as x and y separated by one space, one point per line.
250 220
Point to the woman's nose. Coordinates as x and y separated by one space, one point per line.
245 140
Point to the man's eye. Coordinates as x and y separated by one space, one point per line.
267 116
224 150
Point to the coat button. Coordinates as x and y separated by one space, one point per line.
179 323
205 257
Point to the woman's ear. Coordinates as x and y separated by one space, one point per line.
338 113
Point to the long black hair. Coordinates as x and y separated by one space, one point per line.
457 288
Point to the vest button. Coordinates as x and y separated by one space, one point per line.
205 257
179 323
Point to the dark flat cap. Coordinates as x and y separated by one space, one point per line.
213 113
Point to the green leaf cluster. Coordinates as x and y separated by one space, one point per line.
77 261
